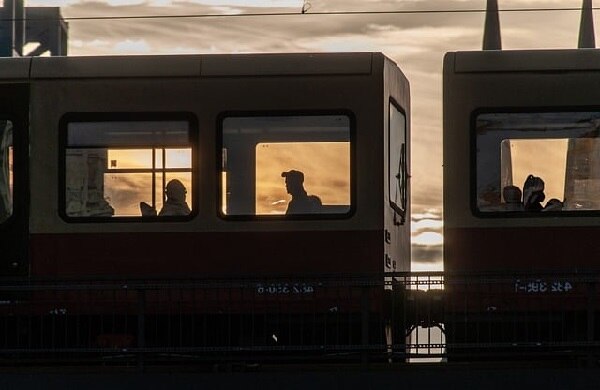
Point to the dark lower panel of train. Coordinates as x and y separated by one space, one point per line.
200 321
387 318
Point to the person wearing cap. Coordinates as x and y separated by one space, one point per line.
301 202
175 203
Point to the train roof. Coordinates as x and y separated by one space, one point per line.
523 60
209 65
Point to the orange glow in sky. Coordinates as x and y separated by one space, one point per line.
136 158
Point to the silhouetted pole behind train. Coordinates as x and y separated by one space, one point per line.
491 32
586 27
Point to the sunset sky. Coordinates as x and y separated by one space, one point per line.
417 42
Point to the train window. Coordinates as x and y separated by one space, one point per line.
278 165
538 161
6 170
397 162
128 169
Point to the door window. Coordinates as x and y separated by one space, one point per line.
6 170
398 171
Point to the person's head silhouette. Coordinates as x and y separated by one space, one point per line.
176 191
294 182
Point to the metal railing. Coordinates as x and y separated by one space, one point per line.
402 317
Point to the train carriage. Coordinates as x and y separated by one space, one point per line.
182 167
508 116
521 195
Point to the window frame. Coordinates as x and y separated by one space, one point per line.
193 129
475 211
399 210
284 113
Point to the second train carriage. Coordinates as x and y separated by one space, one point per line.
90 147
521 211
521 161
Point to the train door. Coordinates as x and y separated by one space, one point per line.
14 179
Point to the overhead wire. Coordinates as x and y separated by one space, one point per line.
303 12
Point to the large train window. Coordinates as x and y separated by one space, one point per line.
538 161
128 168
397 162
6 170
295 165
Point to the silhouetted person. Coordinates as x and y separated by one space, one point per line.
533 193
147 210
175 203
553 205
512 198
301 202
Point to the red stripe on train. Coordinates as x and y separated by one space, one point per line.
205 254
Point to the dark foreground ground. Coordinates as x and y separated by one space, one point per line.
422 376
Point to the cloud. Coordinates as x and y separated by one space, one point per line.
224 4
96 43
131 46
253 3
127 46
427 224
427 214
429 255
428 239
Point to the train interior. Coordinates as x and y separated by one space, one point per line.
112 167
123 168
559 149
257 151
